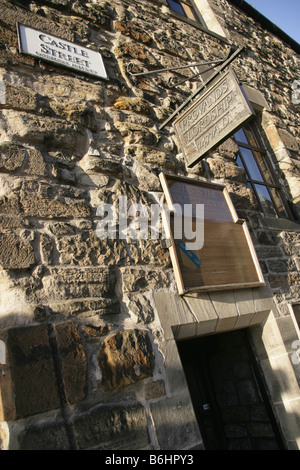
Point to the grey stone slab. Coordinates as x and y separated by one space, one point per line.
175 423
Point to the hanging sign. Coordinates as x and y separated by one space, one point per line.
226 258
220 111
59 51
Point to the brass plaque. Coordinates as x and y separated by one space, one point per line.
212 118
227 259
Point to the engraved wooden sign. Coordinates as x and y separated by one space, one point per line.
212 118
227 259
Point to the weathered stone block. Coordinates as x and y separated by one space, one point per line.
73 361
141 307
95 164
40 205
134 51
20 98
45 436
46 246
139 279
152 156
133 31
33 371
137 105
15 253
78 283
86 308
167 43
137 134
87 249
175 423
12 156
113 427
35 165
224 169
99 14
78 112
125 358
53 134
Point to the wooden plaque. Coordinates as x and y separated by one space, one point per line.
227 259
212 118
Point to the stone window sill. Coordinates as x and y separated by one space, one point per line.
279 224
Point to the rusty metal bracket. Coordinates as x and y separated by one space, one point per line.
234 52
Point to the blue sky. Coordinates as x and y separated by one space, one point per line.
284 13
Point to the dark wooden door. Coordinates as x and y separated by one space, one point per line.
228 393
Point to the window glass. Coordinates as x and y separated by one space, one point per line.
176 6
265 200
262 164
240 136
239 162
260 176
278 201
251 164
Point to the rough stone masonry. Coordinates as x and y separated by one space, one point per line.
89 364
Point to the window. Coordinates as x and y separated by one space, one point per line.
199 14
185 8
260 175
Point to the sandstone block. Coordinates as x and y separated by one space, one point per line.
137 134
141 307
99 14
20 98
15 253
175 422
95 164
133 31
46 246
125 358
45 436
137 105
73 361
139 279
167 43
112 427
33 371
12 156
40 205
35 165
221 168
228 149
85 308
152 156
53 134
134 51
78 112
87 250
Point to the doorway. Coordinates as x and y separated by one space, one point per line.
228 393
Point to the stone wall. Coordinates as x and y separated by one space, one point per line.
91 358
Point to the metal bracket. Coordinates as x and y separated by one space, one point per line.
234 52
222 64
131 66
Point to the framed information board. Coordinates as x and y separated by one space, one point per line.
227 258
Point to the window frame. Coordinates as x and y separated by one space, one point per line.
199 24
259 148
190 3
